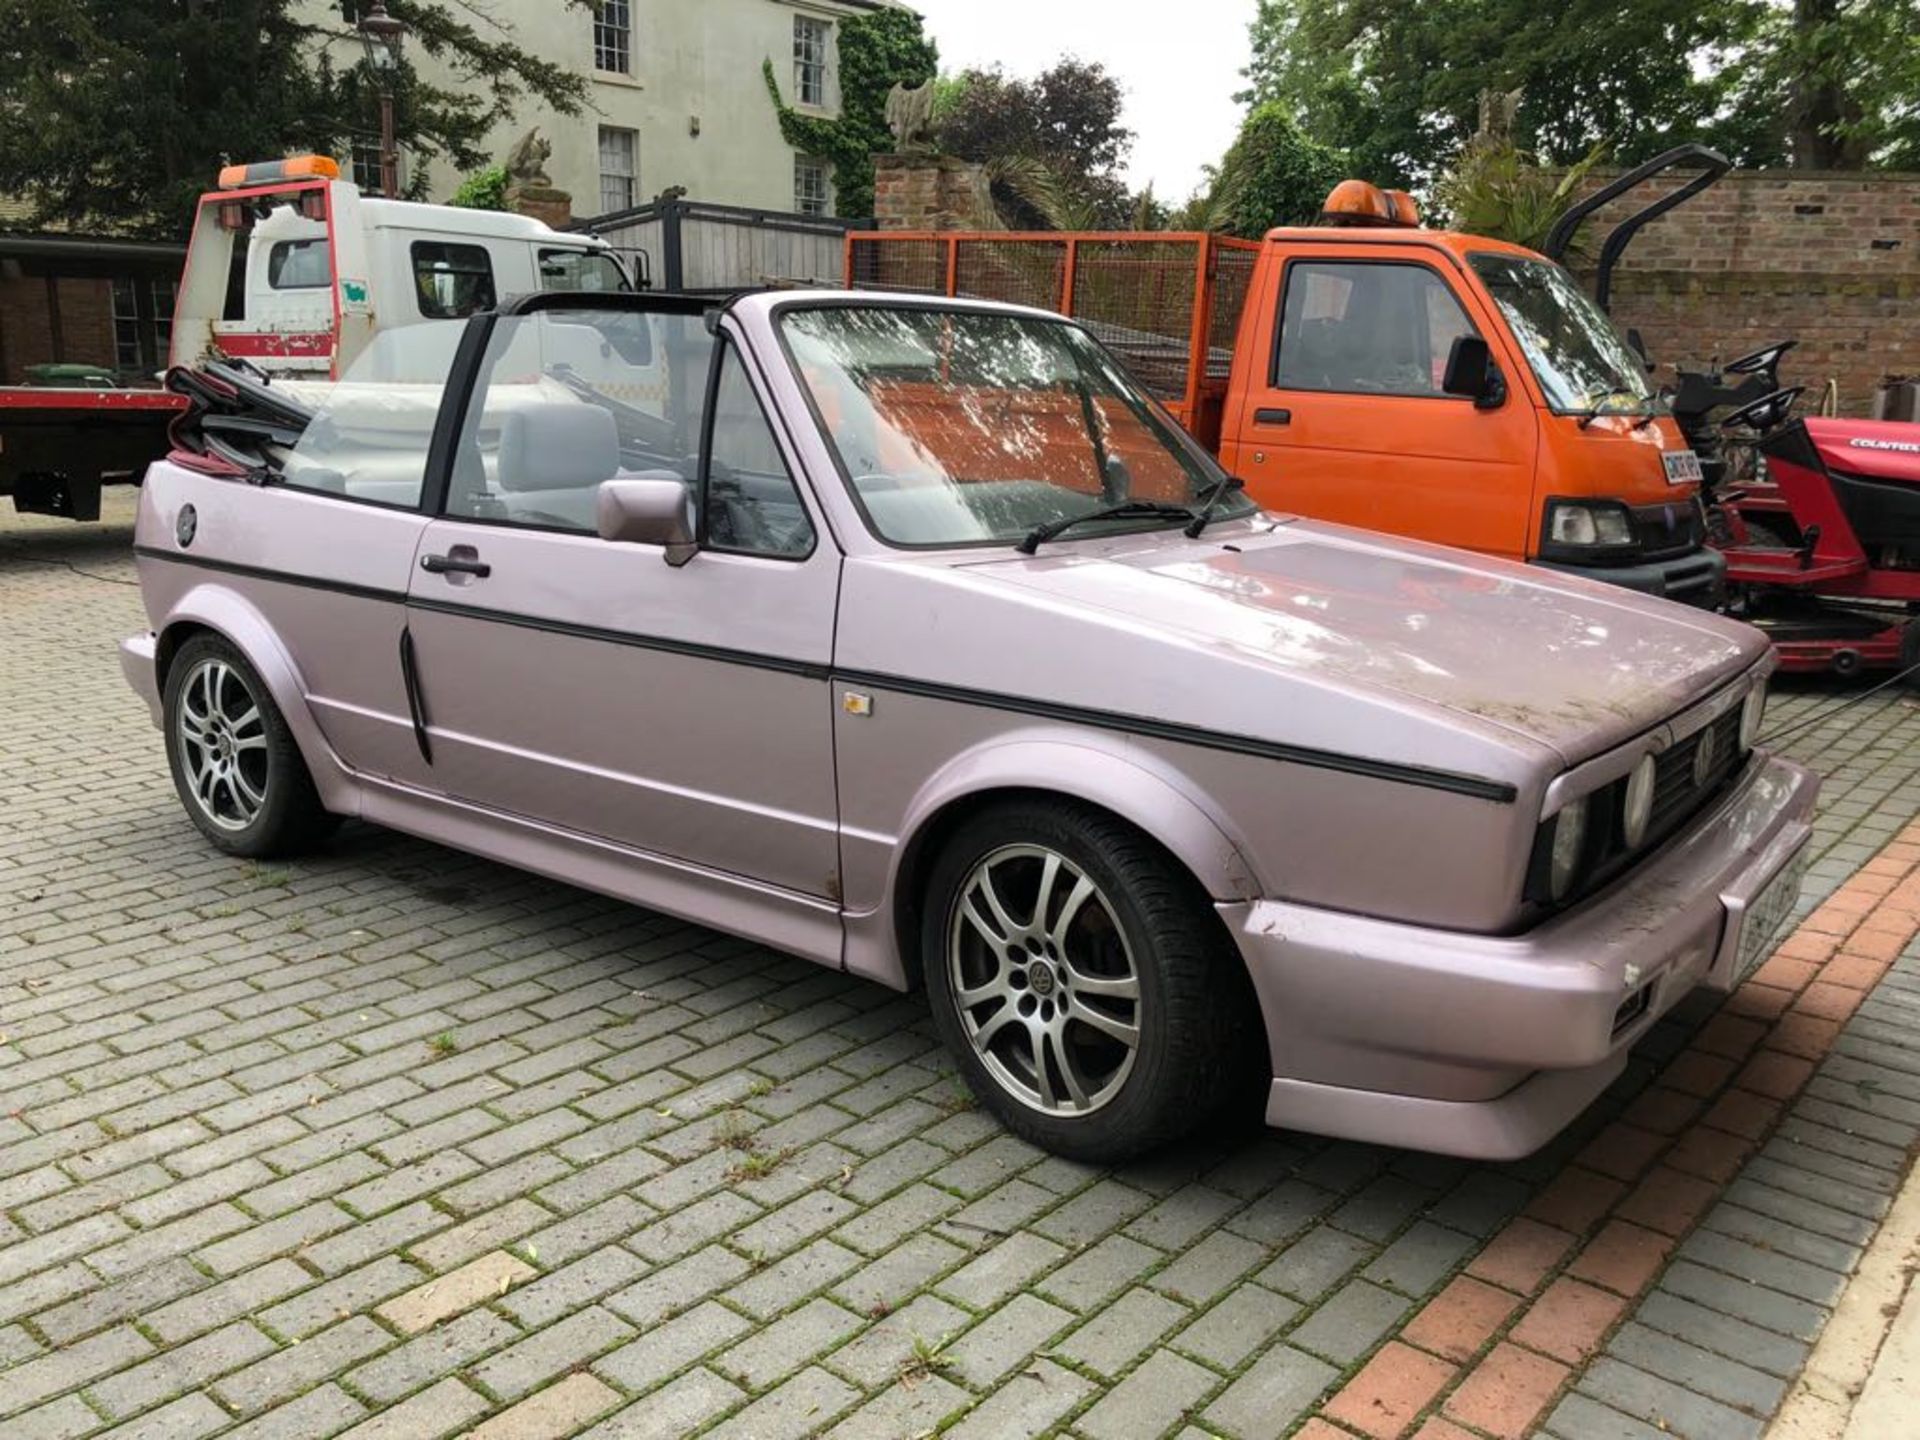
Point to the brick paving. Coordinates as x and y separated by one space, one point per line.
392 1142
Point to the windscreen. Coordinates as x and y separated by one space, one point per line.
957 427
1570 344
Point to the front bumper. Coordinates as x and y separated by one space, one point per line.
1487 1046
137 663
1699 578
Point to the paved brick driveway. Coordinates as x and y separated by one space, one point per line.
395 1143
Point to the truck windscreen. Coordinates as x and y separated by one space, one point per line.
1571 345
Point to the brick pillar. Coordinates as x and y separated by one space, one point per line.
542 202
927 192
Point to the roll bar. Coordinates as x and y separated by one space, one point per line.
1711 164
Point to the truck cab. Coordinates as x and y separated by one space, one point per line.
294 270
1460 390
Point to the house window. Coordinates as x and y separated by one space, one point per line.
126 324
365 162
163 317
619 169
142 323
810 60
811 193
613 37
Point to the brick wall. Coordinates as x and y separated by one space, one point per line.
1830 259
926 192
26 322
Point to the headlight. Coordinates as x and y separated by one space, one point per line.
1569 843
1570 522
1753 711
1637 810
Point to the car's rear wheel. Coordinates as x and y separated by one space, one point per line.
237 767
1079 976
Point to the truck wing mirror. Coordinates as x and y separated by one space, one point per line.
651 510
1472 374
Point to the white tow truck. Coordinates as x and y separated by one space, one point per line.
291 271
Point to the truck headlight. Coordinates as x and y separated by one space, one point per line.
1569 844
1753 712
1636 810
1584 523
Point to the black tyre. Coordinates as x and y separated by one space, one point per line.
239 772
1081 980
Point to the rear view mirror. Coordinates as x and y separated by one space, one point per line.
649 511
1638 345
1472 374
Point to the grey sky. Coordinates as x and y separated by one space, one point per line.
1180 64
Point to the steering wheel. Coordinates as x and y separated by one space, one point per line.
1760 362
1766 412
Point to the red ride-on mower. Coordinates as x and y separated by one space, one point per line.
1823 539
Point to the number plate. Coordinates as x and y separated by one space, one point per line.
1683 467
1766 913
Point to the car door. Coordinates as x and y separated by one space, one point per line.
684 710
338 532
1350 423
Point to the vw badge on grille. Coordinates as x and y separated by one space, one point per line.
1704 756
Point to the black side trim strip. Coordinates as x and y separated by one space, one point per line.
278 577
751 659
416 705
1472 785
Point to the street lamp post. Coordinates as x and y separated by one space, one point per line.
382 34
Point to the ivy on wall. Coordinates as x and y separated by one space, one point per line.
877 51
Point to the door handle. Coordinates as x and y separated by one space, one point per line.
1273 417
455 565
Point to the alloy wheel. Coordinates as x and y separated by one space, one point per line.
1044 980
223 745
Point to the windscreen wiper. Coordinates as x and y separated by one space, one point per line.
1228 484
1126 510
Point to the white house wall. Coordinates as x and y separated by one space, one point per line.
696 64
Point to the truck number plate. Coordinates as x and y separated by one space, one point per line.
1683 467
1766 913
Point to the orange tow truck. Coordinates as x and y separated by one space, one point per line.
1370 371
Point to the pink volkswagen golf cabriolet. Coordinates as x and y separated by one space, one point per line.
912 637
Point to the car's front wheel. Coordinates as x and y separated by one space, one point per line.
237 767
1078 975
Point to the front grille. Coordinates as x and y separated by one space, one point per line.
1681 785
1676 527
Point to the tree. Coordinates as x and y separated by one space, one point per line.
1272 175
115 114
1396 85
1851 72
1064 122
483 190
877 52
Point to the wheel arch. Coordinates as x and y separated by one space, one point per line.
227 615
1148 799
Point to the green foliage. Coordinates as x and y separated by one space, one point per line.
1273 175
1051 146
116 114
1829 83
1397 85
1496 189
483 190
877 51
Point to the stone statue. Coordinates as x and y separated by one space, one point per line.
910 116
1497 111
527 162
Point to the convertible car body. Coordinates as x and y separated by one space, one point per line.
909 637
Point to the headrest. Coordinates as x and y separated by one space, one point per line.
560 445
